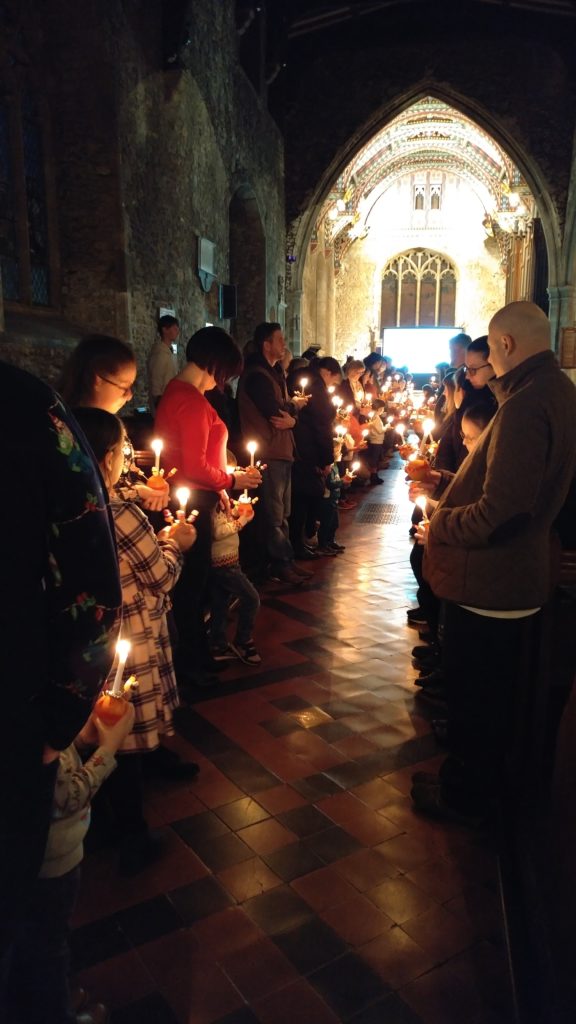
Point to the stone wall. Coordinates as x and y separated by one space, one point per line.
146 162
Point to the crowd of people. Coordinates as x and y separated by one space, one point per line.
494 438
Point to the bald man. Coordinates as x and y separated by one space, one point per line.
488 556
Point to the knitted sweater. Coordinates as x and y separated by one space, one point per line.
225 542
76 784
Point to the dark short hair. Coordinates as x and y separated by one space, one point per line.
480 345
263 332
103 430
96 355
214 350
167 321
480 413
326 363
372 359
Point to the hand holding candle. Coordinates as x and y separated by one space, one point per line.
111 705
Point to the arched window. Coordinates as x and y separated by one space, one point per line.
418 290
28 251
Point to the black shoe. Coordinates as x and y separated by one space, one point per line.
338 548
427 637
305 554
167 764
327 551
416 618
305 574
375 479
434 678
424 652
434 695
427 665
290 574
430 800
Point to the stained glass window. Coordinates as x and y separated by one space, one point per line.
418 290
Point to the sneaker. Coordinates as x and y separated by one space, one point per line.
247 653
327 550
338 548
220 654
416 618
290 574
304 554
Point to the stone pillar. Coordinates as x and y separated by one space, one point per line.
330 302
321 300
553 315
294 320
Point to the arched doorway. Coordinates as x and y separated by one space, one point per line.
434 179
247 264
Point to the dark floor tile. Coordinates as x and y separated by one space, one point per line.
153 1009
281 725
341 708
199 899
278 910
246 771
241 813
292 861
387 1011
223 852
199 828
331 732
332 844
305 821
149 920
314 787
97 941
348 985
310 945
200 733
351 774
243 1016
293 703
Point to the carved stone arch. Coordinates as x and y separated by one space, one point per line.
303 226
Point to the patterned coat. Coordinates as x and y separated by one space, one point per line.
149 568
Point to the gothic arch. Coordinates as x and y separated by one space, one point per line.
300 232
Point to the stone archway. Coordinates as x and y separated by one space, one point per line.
301 231
247 263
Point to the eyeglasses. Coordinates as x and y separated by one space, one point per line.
473 370
125 391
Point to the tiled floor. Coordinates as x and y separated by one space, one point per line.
298 885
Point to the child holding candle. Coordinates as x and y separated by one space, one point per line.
149 568
375 438
228 581
38 988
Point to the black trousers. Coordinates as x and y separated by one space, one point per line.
427 600
191 592
492 671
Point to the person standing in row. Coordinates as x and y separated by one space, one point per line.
268 416
162 361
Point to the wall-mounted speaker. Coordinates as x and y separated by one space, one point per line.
227 302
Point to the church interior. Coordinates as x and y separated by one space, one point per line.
345 170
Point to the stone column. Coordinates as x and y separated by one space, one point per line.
330 302
553 315
294 320
566 315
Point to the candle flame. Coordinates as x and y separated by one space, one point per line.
331 389
183 494
401 429
303 382
341 431
157 445
251 447
421 502
355 467
428 426
123 649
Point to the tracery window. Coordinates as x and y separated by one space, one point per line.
27 243
418 290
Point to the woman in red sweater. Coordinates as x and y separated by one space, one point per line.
195 441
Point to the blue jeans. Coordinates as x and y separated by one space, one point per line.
225 582
275 493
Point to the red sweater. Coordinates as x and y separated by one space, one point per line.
194 437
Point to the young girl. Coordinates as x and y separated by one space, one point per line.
149 568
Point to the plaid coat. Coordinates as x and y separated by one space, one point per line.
149 568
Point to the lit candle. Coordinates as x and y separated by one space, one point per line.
400 429
331 389
365 434
355 467
303 384
252 446
337 401
421 502
183 496
427 428
122 650
157 446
